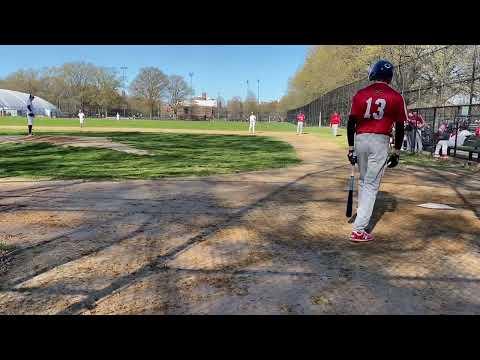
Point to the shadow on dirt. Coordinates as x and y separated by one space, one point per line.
294 252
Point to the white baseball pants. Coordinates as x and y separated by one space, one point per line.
300 127
442 144
334 129
251 128
372 154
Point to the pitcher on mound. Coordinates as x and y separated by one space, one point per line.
375 109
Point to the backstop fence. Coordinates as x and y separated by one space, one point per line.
448 75
442 85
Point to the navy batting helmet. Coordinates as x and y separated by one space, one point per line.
382 70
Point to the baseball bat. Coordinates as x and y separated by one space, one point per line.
348 213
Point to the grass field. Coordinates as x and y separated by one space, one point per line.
91 124
173 155
427 161
151 124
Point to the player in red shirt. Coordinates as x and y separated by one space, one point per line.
300 122
335 120
414 126
375 109
477 131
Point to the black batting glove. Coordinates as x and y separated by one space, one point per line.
393 160
352 157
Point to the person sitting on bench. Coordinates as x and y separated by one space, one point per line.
442 143
463 133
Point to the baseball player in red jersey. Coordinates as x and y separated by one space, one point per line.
335 120
375 109
300 122
415 124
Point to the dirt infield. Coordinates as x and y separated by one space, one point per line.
266 242
74 141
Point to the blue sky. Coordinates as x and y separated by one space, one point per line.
217 69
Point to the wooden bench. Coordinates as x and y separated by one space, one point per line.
470 149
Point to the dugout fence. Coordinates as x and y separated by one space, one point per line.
441 77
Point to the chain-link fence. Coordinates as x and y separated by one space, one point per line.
458 127
440 83
444 75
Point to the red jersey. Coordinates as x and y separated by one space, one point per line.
301 117
335 119
376 108
477 131
416 120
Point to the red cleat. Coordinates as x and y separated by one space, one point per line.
361 236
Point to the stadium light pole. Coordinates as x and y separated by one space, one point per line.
258 98
191 94
123 68
191 81
246 97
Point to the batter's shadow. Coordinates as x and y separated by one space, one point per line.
385 202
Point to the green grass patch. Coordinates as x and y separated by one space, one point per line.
324 132
427 161
174 155
150 124
91 124
5 247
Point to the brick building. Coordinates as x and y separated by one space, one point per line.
199 108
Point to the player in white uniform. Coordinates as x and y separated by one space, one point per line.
118 116
81 116
30 114
253 120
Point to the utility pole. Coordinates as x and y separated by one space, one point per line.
191 86
246 97
191 94
473 78
218 106
123 68
258 92
258 98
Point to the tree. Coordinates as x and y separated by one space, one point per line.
221 107
24 80
251 103
177 91
108 84
235 108
79 79
150 86
271 110
326 68
54 86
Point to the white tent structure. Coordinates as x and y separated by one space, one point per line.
15 103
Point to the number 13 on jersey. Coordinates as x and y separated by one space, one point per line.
378 115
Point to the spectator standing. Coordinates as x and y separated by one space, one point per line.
415 124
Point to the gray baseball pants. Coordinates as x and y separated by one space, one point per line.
372 154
